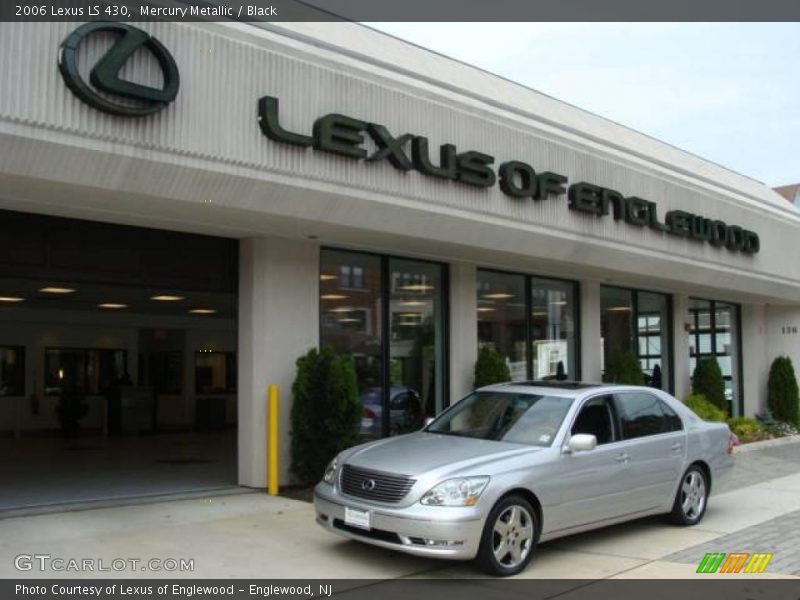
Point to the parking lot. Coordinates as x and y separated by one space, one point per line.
256 536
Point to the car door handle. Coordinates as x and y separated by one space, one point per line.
623 458
677 446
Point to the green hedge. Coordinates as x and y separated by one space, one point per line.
782 393
748 430
704 409
707 380
490 368
625 369
326 413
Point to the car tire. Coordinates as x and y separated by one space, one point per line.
691 499
509 537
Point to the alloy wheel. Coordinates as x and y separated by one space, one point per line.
512 536
693 494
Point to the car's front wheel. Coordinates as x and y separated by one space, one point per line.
692 497
509 537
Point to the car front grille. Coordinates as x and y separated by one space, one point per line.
374 485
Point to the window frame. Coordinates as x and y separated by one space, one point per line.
616 425
385 325
618 397
528 320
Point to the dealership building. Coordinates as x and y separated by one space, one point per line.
187 208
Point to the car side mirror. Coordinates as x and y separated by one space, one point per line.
428 421
582 442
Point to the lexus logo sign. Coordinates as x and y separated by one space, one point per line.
368 485
104 76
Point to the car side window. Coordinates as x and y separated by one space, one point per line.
671 419
596 417
642 415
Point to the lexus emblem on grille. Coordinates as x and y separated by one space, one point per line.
368 485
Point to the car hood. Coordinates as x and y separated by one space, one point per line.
422 453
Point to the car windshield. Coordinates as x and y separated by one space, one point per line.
518 418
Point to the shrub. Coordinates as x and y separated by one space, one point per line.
625 368
704 409
707 380
326 412
748 430
490 368
773 427
782 394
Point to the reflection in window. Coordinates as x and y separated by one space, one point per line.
215 372
89 371
12 371
521 316
398 355
638 322
416 343
553 329
501 318
713 332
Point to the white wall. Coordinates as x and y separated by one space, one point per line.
463 329
783 334
278 322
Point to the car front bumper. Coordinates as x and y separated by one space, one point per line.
433 531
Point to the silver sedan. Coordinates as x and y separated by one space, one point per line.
514 464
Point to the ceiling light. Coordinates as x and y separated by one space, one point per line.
558 303
342 309
485 309
112 305
539 314
410 315
416 287
347 320
166 298
325 277
619 309
11 299
498 296
332 297
412 303
408 323
56 290
203 311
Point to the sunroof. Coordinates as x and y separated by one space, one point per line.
563 385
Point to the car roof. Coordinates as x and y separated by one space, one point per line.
571 389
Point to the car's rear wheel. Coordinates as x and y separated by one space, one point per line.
692 497
509 537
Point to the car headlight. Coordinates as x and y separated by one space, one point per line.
462 491
330 471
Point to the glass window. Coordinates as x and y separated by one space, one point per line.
416 388
501 318
12 371
83 370
641 415
215 372
713 332
350 324
553 325
399 355
672 421
653 321
518 418
597 418
639 322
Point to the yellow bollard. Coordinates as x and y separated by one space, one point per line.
272 440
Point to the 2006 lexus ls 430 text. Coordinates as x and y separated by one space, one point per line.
514 464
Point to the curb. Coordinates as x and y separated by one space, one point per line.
753 446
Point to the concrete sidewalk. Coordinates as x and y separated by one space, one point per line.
257 536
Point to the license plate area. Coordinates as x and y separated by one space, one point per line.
357 518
